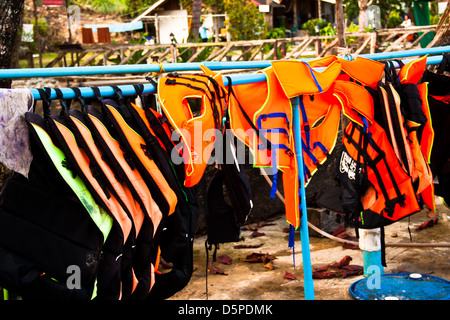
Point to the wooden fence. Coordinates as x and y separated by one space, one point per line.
268 49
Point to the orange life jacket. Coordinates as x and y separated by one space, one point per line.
122 193
175 94
395 197
390 194
261 117
411 74
126 171
361 70
411 105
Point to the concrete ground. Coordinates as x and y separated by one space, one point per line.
254 281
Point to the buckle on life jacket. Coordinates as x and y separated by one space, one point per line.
289 152
390 204
272 115
306 126
171 81
146 151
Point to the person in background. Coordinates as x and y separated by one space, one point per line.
204 30
406 22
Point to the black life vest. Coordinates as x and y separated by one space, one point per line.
439 103
115 267
177 237
38 240
223 219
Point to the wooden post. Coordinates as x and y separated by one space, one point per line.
172 52
373 42
157 28
36 30
318 46
340 25
295 12
275 50
319 9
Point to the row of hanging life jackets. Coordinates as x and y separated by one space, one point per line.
120 164
384 168
102 203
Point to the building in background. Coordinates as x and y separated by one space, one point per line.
291 14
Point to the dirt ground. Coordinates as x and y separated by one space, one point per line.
253 281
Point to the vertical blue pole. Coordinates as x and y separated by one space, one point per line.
370 244
304 233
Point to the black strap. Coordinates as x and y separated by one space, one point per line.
79 97
126 114
46 102
389 203
383 247
211 97
267 144
445 64
153 82
139 88
391 72
207 248
97 93
65 103
218 90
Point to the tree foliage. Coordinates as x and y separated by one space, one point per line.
135 7
388 8
11 16
106 6
245 20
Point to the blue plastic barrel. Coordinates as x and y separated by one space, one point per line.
401 286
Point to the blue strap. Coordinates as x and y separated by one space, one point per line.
314 77
275 130
321 146
366 129
305 123
271 115
291 243
273 191
308 152
307 145
365 124
274 146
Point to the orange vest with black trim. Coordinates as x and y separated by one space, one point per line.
366 142
410 74
109 287
177 94
119 189
112 151
135 145
394 197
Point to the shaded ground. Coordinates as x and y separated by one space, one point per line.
253 281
